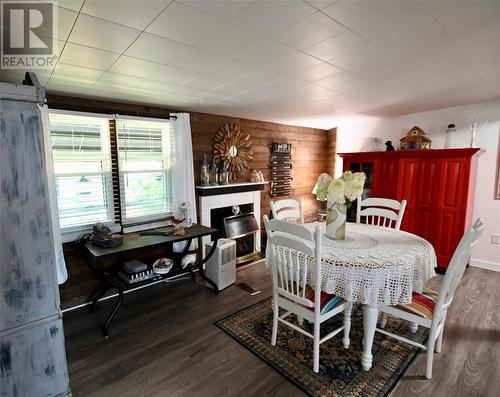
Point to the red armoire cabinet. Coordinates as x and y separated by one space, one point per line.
438 185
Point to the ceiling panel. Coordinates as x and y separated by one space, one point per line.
222 9
197 60
309 31
185 24
154 48
135 67
79 55
135 14
272 16
97 33
74 73
344 43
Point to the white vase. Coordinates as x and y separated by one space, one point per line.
336 217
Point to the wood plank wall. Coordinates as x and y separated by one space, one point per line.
313 152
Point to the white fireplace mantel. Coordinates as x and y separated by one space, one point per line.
212 197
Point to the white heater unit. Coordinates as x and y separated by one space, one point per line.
221 267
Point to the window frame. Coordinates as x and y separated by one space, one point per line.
114 194
152 221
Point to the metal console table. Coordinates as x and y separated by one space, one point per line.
133 242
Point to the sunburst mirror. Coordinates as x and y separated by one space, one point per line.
233 148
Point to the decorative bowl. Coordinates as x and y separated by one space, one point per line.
163 266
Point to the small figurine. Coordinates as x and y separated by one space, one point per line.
204 174
389 146
214 175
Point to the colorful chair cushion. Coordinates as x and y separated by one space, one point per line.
328 301
422 304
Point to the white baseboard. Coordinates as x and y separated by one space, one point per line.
485 264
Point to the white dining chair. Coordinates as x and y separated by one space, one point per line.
295 259
429 308
380 212
288 209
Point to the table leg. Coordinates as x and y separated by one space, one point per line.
113 313
201 271
370 314
98 296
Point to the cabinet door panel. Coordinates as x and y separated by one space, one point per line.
386 183
426 194
450 215
407 173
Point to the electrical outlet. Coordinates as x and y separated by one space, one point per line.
495 238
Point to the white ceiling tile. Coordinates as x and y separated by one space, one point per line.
74 5
155 87
73 73
309 31
320 4
225 9
231 70
347 42
389 23
272 16
94 32
229 40
348 84
185 24
80 55
135 67
261 76
170 74
136 14
206 82
316 72
154 48
119 80
462 18
197 60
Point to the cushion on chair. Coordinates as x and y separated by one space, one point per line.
328 301
422 304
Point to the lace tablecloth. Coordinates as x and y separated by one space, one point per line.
375 265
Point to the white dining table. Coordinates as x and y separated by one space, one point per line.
375 266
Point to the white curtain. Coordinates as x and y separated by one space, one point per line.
62 274
182 167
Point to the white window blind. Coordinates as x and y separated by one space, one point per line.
144 149
82 166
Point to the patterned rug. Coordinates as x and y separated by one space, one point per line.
340 372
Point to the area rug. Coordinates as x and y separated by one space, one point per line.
340 373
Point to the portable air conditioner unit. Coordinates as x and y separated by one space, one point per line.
221 267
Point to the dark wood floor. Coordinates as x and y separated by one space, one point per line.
164 343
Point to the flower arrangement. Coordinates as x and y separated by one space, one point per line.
339 194
343 190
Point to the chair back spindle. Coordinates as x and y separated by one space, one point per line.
294 254
288 209
380 212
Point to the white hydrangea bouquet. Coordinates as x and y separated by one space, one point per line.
339 194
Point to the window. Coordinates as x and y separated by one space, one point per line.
94 184
82 166
144 148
